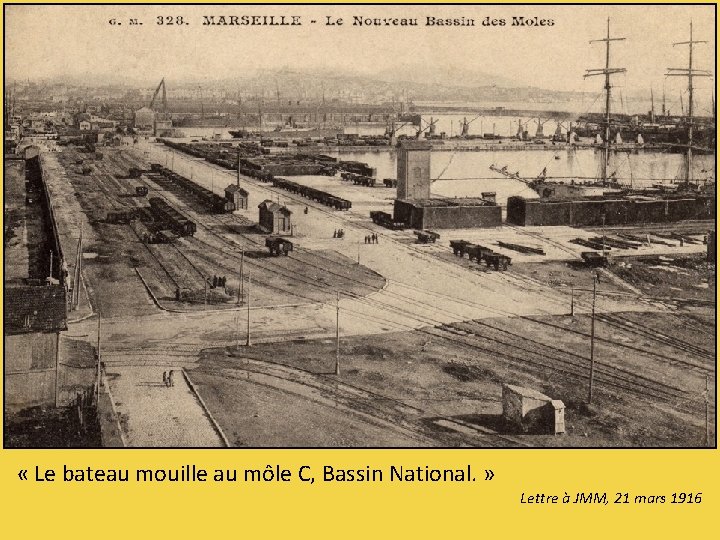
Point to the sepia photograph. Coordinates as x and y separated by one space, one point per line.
359 226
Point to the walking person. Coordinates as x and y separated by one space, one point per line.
171 382
164 378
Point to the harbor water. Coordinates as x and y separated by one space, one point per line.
468 173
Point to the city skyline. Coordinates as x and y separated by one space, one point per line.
550 57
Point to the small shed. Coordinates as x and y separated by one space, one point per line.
238 196
531 411
274 218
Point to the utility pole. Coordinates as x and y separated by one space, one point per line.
241 292
76 276
237 331
97 381
707 410
57 369
238 167
51 264
607 71
206 284
592 342
248 314
337 335
572 302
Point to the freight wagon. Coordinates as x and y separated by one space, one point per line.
148 234
313 194
212 201
121 216
171 218
278 246
385 220
480 253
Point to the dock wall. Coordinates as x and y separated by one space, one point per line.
595 212
417 216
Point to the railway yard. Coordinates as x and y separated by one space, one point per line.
427 337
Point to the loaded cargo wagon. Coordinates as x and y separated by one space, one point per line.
427 237
121 216
278 246
594 259
171 218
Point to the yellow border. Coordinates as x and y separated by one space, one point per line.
384 510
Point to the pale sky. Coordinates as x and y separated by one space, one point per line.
47 41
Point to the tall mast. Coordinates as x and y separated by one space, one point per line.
652 106
689 72
607 71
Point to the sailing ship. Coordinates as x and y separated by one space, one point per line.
607 183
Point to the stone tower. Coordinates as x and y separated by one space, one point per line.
413 170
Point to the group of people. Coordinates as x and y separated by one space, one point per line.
168 378
371 238
339 233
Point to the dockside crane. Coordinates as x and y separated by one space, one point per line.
521 132
540 123
465 126
164 96
430 128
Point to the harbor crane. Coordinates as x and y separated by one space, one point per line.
430 128
568 127
521 128
164 96
392 128
540 123
465 126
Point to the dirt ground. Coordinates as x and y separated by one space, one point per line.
445 384
39 427
668 277
123 270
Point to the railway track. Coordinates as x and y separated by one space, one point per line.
389 412
609 377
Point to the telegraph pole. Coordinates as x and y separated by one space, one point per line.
572 302
248 314
707 410
337 335
241 291
97 381
592 342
